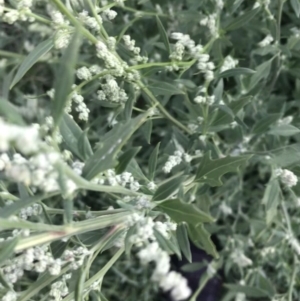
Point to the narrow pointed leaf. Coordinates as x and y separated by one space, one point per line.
84 146
79 290
296 7
31 59
201 238
166 190
153 162
210 171
183 241
163 34
125 159
64 78
165 243
7 249
236 72
105 156
285 130
242 20
73 136
183 212
8 110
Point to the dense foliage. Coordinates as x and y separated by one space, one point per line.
130 128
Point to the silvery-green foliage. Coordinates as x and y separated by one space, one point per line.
129 128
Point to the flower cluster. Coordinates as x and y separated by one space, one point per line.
195 51
287 177
266 41
209 100
90 22
59 289
21 12
210 22
24 139
130 45
122 179
175 160
166 279
39 171
239 258
229 63
110 60
110 91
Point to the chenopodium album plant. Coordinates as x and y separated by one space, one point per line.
129 129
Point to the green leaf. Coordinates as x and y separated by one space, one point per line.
84 146
7 249
223 118
262 72
68 207
127 242
266 285
153 162
183 212
163 34
249 291
236 72
79 290
3 281
263 125
105 156
129 103
102 297
72 135
271 200
136 171
166 190
242 19
31 59
183 241
296 7
271 194
210 171
125 159
192 267
8 110
164 88
147 130
7 80
165 243
64 78
287 155
218 92
285 130
201 238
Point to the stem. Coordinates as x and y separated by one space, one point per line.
59 232
143 12
11 54
287 218
95 213
277 40
99 276
200 288
61 7
279 17
290 293
162 64
164 112
96 16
